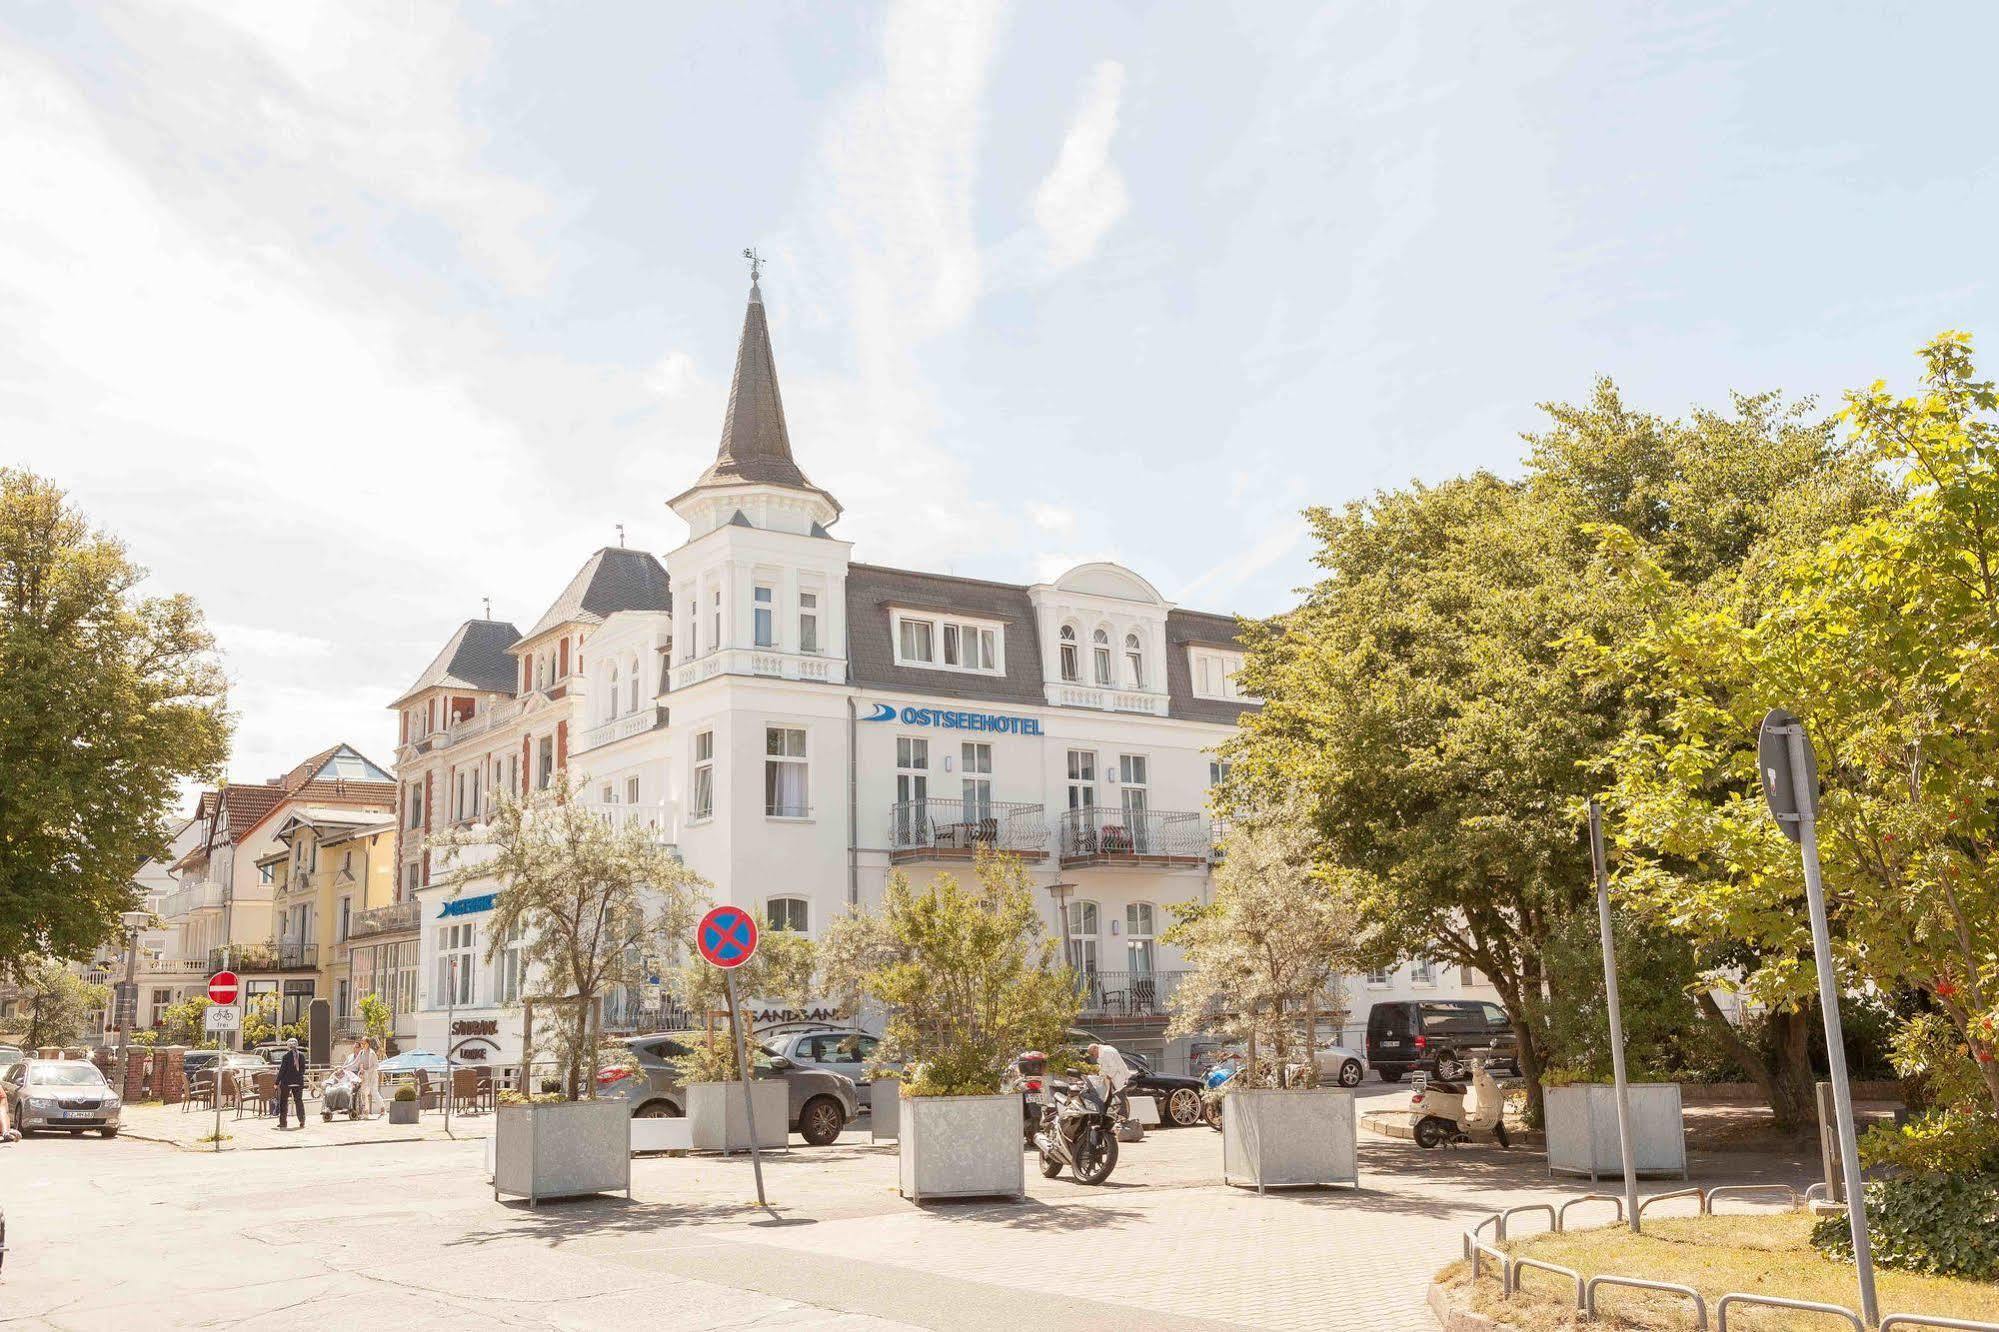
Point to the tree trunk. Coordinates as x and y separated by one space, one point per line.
1788 1085
1532 1063
1312 1044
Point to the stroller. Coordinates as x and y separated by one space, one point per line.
340 1093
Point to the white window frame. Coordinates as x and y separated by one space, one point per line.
1103 670
701 788
1134 660
1068 657
763 615
789 901
962 636
774 763
1213 675
1148 938
1085 945
808 621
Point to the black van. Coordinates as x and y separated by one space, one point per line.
1440 1035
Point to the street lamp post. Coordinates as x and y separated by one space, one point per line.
129 987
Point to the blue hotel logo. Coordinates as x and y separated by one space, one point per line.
956 721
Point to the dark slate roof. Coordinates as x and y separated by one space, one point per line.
614 579
475 658
756 444
871 590
1184 628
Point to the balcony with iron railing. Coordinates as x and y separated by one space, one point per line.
633 723
189 896
1095 835
271 955
947 829
1137 995
630 1013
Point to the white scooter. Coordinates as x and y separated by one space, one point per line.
1451 1112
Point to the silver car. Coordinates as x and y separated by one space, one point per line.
822 1103
67 1094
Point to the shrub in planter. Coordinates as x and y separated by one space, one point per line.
1944 1224
403 1108
969 982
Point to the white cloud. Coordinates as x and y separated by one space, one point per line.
1277 541
1083 196
1051 517
238 640
672 375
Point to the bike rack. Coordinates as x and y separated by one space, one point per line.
1819 1192
1562 1212
1479 1247
1521 1264
1590 1288
1554 1219
1893 1321
1774 1302
1471 1236
1697 1195
1738 1190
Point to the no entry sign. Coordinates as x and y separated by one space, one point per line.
726 937
222 988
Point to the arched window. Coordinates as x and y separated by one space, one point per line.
1072 670
1100 652
613 692
1134 661
1083 937
787 913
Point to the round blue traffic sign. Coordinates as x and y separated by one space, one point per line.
726 937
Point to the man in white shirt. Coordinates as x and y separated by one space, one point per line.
1111 1064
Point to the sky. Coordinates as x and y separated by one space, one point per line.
347 316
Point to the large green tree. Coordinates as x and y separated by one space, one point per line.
1422 698
108 702
1884 638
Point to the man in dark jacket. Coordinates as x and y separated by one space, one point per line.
291 1083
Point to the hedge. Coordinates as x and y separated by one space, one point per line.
1944 1224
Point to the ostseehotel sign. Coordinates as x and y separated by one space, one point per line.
953 720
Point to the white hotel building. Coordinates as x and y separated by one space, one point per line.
799 724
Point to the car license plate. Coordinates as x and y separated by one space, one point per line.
1391 1045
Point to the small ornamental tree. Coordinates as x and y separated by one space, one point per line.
1267 952
185 1023
965 971
588 897
378 1020
58 1004
260 1022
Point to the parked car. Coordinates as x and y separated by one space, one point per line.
1337 1065
847 1051
11 1055
1439 1035
822 1103
60 1094
199 1065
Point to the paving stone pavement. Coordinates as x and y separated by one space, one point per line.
109 1234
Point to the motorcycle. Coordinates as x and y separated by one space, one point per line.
1078 1130
1451 1112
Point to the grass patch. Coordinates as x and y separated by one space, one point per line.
1769 1254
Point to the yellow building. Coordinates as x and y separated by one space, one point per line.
337 867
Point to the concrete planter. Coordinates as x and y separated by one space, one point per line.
1582 1130
404 1112
562 1150
1276 1137
885 1110
716 1121
960 1147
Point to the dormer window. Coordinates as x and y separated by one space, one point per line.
1134 661
1214 674
1072 670
945 643
1100 654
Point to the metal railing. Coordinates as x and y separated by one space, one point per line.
632 1013
383 920
661 821
966 825
1735 1298
1128 993
1100 833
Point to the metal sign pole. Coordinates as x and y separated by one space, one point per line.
450 1008
1597 861
1806 795
745 1072
216 1085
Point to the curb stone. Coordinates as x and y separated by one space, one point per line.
1453 1319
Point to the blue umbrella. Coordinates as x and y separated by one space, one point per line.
409 1061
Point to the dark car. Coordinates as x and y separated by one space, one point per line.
1178 1098
822 1103
1441 1036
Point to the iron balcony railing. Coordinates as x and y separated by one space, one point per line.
625 1011
271 955
1100 833
1134 994
966 825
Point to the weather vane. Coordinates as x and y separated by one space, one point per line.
756 263
621 534
489 606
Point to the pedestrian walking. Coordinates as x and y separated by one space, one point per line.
291 1084
367 1067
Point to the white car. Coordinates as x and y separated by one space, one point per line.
1338 1065
65 1094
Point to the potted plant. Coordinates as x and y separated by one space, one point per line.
588 900
1580 1114
969 982
403 1106
781 972
1266 954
